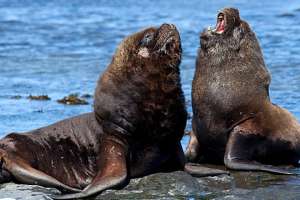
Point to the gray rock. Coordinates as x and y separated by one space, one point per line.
12 191
176 185
180 185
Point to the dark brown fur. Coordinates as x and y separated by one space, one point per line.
66 150
143 98
230 97
138 120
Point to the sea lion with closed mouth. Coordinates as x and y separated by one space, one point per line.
234 121
136 127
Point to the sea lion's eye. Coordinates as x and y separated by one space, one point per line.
148 37
220 17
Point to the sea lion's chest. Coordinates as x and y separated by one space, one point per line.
222 96
163 118
221 89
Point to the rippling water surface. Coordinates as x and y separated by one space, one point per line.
61 47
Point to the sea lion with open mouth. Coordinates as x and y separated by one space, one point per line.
136 127
234 121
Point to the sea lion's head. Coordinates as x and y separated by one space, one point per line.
142 78
229 31
158 46
227 20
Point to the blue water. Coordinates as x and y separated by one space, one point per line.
61 47
57 48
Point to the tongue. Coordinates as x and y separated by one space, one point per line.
220 26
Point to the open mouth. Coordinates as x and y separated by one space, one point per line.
220 27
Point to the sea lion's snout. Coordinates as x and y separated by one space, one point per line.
166 26
168 40
163 42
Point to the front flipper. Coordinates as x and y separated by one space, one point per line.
112 170
245 165
24 173
192 149
198 170
239 152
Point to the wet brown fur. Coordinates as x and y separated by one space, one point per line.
139 115
143 97
230 93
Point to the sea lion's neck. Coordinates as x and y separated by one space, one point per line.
153 76
138 93
228 79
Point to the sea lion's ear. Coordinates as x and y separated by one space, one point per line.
238 33
236 20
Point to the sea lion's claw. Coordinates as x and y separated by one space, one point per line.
198 170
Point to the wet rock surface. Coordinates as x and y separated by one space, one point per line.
180 185
54 48
11 191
